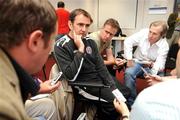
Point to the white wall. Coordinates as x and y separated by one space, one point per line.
89 5
143 16
121 10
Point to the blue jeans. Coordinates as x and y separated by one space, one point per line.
39 118
130 80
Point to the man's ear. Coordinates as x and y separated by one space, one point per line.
35 40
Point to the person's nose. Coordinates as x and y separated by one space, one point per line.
150 35
84 28
108 35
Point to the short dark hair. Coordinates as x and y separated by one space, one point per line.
112 22
79 11
19 18
60 4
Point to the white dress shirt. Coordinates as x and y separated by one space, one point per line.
144 52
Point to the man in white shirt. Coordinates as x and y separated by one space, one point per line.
152 103
151 53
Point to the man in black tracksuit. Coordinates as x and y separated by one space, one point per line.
80 60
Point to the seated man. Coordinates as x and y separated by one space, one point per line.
151 53
175 73
103 39
153 103
42 106
80 60
25 43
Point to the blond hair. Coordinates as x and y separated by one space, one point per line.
162 24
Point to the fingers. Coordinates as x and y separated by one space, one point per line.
146 76
130 63
55 87
149 81
119 60
40 81
154 79
78 42
46 87
76 37
116 103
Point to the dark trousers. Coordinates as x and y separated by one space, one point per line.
124 89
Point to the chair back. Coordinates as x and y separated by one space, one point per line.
63 97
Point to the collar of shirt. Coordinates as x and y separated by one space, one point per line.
27 83
159 42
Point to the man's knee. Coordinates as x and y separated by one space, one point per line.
41 107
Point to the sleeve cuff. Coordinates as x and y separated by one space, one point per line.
80 54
